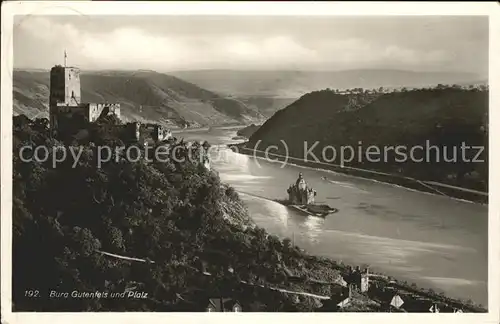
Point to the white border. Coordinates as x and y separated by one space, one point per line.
9 9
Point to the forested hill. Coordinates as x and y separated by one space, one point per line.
192 233
144 96
444 116
167 233
248 130
270 91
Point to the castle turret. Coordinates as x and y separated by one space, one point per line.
64 90
300 193
301 183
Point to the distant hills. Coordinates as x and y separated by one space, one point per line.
143 95
270 91
293 84
213 97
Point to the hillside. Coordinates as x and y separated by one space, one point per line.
445 117
172 235
164 98
167 233
247 131
266 105
268 85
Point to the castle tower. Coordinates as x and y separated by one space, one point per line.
64 89
300 193
365 281
134 131
301 182
311 193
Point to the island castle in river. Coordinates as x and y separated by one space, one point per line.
299 193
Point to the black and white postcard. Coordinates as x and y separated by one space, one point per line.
162 160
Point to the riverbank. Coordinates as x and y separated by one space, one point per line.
376 299
431 187
188 223
384 285
203 128
381 288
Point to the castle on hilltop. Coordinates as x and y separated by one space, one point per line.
68 114
65 107
300 193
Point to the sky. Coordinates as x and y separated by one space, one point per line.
170 43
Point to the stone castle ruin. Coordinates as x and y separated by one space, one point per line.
300 194
67 113
157 133
69 116
66 110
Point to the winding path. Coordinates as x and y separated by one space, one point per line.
209 274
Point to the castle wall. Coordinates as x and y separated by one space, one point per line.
72 86
133 131
66 118
160 133
80 110
206 163
365 283
310 197
96 110
116 109
292 197
299 196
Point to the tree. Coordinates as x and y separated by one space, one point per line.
172 214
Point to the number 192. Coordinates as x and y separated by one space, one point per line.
31 293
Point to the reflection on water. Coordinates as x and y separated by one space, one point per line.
272 208
453 281
345 185
433 241
243 177
313 227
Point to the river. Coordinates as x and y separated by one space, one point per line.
434 241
